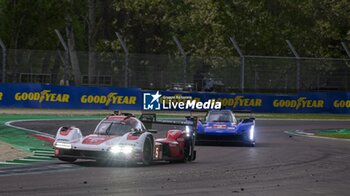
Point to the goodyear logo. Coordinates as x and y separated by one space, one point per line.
111 98
44 95
341 103
240 101
1 94
301 102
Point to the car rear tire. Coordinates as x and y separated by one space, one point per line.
189 150
147 155
66 159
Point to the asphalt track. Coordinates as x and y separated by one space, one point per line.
278 165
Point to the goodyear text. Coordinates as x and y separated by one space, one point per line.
44 95
341 103
301 102
240 101
111 98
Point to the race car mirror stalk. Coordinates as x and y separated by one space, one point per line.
152 131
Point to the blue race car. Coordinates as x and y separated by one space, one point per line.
222 126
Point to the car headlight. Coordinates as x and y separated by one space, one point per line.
63 145
121 149
127 149
115 149
251 133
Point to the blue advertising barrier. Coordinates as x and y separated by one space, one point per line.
72 97
268 103
69 97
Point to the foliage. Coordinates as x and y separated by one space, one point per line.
315 27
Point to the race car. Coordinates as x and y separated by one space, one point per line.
124 138
222 126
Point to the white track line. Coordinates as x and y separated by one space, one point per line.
9 124
10 163
304 134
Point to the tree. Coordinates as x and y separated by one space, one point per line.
92 39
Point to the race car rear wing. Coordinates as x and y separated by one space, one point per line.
116 113
251 118
244 112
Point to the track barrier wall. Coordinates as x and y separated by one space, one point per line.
69 97
73 97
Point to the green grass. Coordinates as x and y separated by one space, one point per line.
335 135
303 116
264 115
335 131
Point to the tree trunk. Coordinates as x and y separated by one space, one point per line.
55 68
73 54
92 41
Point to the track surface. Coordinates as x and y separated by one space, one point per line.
278 165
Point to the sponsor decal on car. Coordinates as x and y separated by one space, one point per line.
219 126
96 140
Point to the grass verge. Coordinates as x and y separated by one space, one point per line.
335 133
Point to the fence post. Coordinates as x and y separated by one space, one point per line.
3 61
66 55
297 57
184 56
348 53
346 49
233 41
126 66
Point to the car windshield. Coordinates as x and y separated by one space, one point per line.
220 117
117 127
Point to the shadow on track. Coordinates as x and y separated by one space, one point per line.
224 144
115 164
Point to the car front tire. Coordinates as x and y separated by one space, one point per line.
147 155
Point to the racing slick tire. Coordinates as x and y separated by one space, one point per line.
189 150
147 155
66 159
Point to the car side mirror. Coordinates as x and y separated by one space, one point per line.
152 131
248 120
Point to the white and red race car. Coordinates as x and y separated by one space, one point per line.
123 137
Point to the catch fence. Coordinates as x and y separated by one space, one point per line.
170 72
